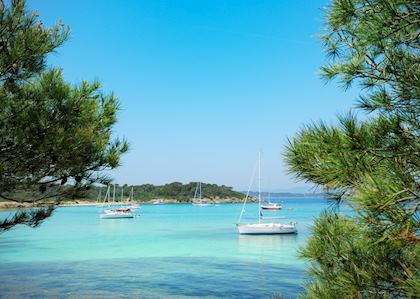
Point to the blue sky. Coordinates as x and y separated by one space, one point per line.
203 85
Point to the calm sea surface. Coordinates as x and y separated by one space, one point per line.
180 251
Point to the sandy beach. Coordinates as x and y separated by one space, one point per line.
11 205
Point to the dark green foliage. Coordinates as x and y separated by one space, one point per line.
51 133
57 132
24 43
32 218
184 192
176 190
373 164
350 262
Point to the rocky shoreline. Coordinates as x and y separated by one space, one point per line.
11 205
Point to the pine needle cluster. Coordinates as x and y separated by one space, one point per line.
372 165
52 133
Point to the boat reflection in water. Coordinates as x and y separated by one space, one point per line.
279 245
267 240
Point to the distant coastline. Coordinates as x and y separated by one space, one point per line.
173 193
11 205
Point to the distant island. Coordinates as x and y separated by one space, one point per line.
175 192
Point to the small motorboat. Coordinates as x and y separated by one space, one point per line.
201 204
271 206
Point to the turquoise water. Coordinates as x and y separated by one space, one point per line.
167 251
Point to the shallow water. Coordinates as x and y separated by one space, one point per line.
168 251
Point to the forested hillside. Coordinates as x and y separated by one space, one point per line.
178 191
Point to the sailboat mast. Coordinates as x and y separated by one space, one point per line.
99 196
113 195
249 190
259 187
200 191
107 197
122 193
196 191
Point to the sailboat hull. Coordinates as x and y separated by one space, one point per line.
115 214
266 228
202 204
270 208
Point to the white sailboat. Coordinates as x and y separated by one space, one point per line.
129 202
99 199
198 201
262 228
271 206
114 213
